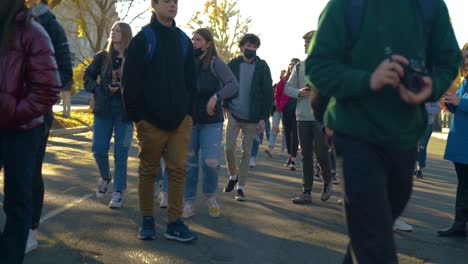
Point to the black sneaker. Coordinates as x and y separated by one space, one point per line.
303 198
287 163
326 192
335 179
240 196
180 232
230 185
292 166
419 174
147 229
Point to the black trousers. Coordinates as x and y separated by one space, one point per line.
377 186
18 152
38 182
461 203
290 131
313 140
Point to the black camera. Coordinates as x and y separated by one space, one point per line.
414 73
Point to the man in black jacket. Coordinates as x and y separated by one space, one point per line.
59 40
159 88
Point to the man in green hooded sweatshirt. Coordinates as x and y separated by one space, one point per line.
375 117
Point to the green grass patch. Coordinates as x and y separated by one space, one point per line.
78 118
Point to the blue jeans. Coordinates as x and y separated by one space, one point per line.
162 175
276 122
104 127
18 152
259 139
423 142
206 140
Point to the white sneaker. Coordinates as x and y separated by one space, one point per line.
401 225
252 162
213 207
188 210
116 201
32 243
163 203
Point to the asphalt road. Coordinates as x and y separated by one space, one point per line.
79 228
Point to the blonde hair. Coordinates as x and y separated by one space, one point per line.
127 35
464 68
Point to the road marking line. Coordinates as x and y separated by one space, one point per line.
64 208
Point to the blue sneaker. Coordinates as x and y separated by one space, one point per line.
147 230
179 231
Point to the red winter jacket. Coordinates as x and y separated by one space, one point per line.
29 78
281 98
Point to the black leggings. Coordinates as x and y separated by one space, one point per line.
290 131
461 202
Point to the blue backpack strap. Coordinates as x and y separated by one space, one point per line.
354 19
151 41
184 41
428 13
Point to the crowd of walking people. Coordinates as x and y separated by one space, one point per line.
356 108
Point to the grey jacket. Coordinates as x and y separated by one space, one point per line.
297 81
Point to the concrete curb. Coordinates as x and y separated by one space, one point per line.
69 131
440 135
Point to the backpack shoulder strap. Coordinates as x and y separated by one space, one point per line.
151 41
428 13
213 70
354 19
184 41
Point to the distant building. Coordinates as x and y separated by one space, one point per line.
98 26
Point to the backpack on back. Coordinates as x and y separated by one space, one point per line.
152 40
355 17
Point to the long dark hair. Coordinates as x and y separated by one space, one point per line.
7 21
211 51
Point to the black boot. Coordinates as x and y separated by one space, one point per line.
458 229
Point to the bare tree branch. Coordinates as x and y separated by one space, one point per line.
137 16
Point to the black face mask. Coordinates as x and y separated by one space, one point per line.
250 54
198 52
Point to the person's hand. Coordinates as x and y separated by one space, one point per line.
211 106
452 99
416 98
114 88
261 126
138 124
389 72
329 133
225 113
275 130
304 92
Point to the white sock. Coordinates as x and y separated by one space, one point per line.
239 187
233 177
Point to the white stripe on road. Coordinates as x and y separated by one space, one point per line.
64 208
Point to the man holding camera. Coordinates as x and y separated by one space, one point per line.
377 118
310 131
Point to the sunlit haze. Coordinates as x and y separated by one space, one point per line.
281 25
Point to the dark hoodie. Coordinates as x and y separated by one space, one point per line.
162 90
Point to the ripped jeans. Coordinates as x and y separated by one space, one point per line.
205 143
